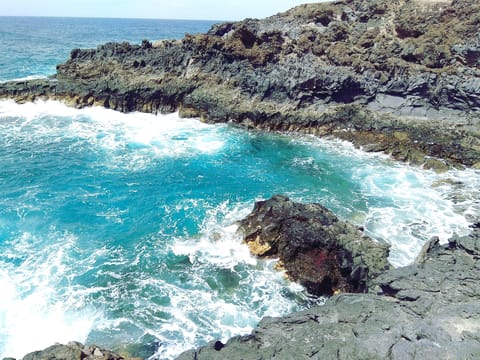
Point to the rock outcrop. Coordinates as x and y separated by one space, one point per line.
428 310
400 76
316 249
73 351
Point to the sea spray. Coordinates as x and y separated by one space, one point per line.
394 202
36 308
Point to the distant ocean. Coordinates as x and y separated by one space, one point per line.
119 229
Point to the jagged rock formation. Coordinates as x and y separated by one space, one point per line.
316 249
428 310
73 351
401 76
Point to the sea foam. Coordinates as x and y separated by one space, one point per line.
396 203
116 228
36 308
131 140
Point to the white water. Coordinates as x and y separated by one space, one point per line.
123 224
30 305
418 203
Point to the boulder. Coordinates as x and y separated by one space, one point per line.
315 248
73 351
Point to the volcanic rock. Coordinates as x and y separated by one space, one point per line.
401 75
318 250
73 351
428 310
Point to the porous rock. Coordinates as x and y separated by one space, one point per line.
317 249
73 351
359 70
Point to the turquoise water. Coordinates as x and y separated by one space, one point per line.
119 229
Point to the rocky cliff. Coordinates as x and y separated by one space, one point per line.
400 76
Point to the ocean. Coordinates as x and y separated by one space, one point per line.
119 229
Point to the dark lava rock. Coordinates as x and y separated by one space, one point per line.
315 248
73 351
428 310
360 70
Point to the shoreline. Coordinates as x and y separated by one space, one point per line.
423 308
402 142
418 311
393 78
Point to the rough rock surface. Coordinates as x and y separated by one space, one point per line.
73 351
315 248
400 76
428 310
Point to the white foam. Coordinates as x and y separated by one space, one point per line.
419 209
219 244
406 205
203 313
25 78
131 140
339 147
33 315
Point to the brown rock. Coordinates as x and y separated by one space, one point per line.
314 247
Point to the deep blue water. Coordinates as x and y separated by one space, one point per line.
33 46
119 229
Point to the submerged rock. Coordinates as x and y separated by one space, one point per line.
428 310
318 250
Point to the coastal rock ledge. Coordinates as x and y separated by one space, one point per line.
428 310
72 351
399 76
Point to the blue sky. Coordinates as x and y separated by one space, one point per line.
161 9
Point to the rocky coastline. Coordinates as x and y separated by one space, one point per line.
399 76
427 310
402 77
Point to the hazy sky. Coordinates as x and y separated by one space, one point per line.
160 9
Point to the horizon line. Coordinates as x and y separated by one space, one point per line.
112 18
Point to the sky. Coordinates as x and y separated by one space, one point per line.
156 9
